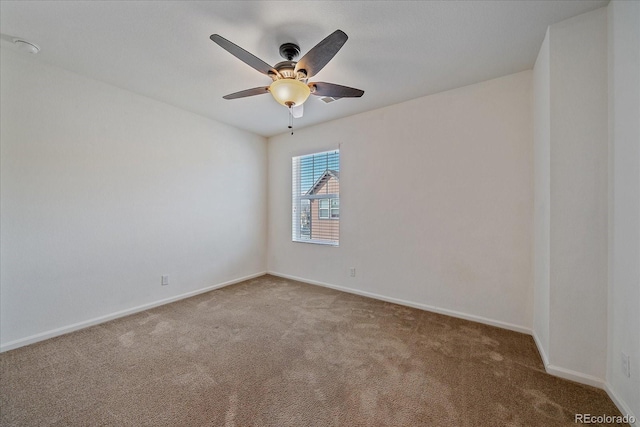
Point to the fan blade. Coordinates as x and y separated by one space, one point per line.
297 111
334 90
248 92
321 53
244 56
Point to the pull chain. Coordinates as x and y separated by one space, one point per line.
291 120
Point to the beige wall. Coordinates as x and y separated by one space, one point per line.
578 270
104 191
570 122
542 197
624 204
436 202
587 222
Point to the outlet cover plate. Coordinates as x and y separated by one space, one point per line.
626 371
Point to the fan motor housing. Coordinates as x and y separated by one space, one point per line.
286 69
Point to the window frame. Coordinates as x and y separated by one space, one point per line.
299 167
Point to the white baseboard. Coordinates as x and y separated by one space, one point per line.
567 374
95 321
578 377
420 306
622 405
541 350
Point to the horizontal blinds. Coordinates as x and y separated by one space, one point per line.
316 198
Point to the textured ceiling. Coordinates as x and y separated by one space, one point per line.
396 50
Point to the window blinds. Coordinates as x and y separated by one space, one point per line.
316 198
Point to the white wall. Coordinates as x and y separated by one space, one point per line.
624 202
542 197
104 191
436 202
570 169
578 181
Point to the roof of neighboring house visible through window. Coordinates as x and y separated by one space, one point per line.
326 176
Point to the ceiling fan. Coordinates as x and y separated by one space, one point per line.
290 86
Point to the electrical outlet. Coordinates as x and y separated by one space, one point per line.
626 371
352 272
165 280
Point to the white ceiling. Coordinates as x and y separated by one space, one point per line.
396 50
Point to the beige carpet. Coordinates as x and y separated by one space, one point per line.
274 352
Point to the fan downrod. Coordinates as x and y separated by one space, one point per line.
289 51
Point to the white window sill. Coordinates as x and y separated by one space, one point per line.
317 242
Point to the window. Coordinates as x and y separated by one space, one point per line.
323 208
316 198
335 208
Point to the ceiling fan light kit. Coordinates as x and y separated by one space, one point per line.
289 92
290 86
